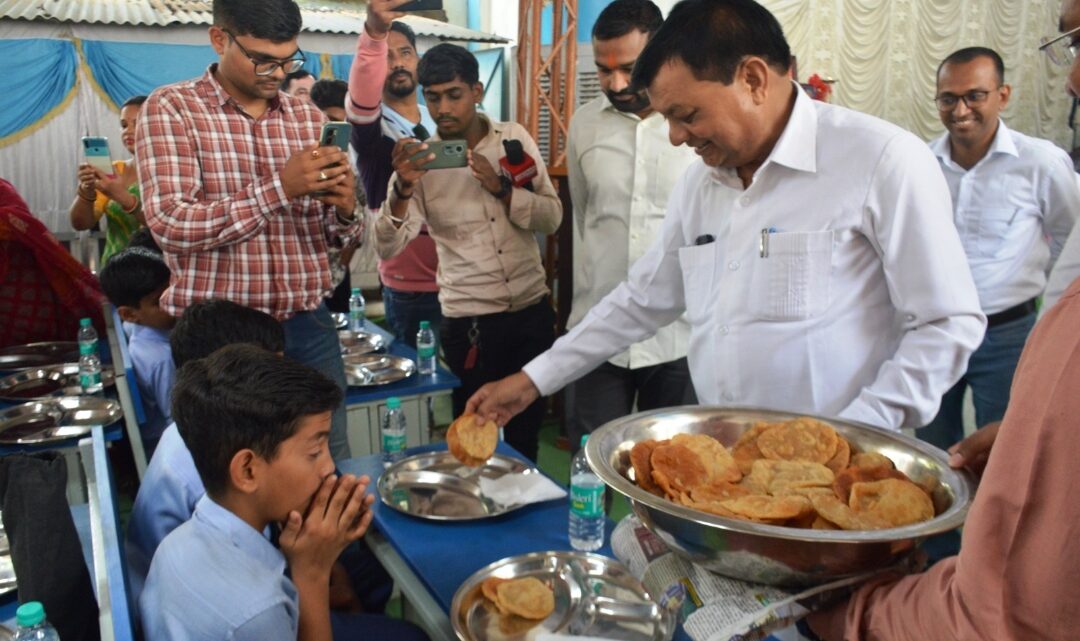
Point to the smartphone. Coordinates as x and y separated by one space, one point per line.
449 154
336 134
421 5
96 152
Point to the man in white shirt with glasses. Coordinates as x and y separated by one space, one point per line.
1015 200
812 248
622 169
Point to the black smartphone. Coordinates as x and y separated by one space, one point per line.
421 5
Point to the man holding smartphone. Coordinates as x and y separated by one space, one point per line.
238 193
496 311
383 108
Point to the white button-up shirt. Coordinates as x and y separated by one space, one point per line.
858 304
1013 210
622 169
1066 270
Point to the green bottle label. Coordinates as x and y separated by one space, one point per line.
587 502
426 351
393 442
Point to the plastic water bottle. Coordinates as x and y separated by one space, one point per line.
30 618
356 310
393 432
586 504
89 362
425 349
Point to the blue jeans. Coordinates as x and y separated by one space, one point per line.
311 338
989 374
405 310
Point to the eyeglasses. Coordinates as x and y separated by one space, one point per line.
264 67
1061 49
948 101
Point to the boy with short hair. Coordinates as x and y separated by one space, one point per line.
133 280
171 486
257 426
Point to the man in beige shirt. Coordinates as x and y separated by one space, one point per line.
496 312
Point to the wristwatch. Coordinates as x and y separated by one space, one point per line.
506 187
357 214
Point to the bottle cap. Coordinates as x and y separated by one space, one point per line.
425 324
584 437
393 403
355 291
30 614
84 322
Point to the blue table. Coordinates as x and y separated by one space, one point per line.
430 559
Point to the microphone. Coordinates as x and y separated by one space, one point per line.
518 165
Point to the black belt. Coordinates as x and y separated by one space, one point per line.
1011 314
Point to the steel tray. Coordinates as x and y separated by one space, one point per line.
594 596
366 370
438 487
47 382
353 343
38 354
56 419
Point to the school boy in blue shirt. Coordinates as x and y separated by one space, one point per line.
133 280
171 487
257 426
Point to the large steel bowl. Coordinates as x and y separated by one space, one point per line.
773 554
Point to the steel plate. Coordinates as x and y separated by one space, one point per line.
47 382
353 343
594 596
38 354
365 370
438 487
57 419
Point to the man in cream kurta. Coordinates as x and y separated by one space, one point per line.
621 170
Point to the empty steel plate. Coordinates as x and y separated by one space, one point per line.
47 382
38 354
363 370
360 342
57 419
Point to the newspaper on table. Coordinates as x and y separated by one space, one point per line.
713 607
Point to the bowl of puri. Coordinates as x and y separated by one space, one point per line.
778 498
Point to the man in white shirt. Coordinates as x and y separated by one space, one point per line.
1015 201
622 169
1066 270
812 249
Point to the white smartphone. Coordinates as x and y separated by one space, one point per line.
96 152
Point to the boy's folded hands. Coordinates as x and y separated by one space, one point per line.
338 515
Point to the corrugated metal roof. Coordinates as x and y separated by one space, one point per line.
326 16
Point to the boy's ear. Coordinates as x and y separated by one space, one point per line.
128 314
244 472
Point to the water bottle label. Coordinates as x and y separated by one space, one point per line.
425 351
89 380
587 502
393 442
87 348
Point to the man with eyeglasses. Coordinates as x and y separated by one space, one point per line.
1015 576
239 195
383 108
1015 200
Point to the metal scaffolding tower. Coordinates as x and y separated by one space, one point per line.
546 82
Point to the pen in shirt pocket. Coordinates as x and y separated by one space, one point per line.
763 247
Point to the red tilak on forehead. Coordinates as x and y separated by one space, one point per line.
610 62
